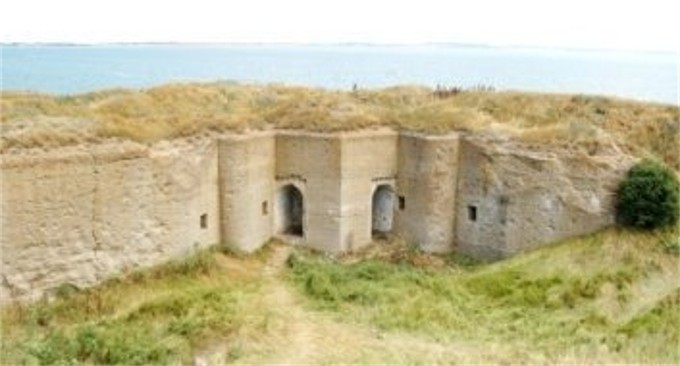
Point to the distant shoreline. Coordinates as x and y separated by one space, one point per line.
334 44
72 68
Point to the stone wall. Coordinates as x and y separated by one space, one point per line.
523 198
426 187
560 196
81 215
369 160
479 209
246 170
311 163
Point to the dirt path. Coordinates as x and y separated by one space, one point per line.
301 331
290 342
303 337
296 335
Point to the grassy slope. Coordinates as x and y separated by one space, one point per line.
608 297
612 297
154 316
170 111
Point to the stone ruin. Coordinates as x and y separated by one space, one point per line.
79 215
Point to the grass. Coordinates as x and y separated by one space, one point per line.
156 316
177 110
613 295
610 297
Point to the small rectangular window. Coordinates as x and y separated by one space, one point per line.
204 221
265 208
402 202
472 213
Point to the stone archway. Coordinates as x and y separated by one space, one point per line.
290 211
382 211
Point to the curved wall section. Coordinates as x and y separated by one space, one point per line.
246 172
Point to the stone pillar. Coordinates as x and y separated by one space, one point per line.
246 174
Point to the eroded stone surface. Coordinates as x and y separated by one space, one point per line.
83 215
79 215
523 198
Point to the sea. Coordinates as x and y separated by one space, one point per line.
73 69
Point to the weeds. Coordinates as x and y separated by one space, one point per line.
112 346
652 332
671 245
552 300
514 288
154 316
611 297
176 110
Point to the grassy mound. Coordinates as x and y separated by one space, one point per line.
613 295
175 110
156 316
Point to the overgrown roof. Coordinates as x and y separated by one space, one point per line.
175 110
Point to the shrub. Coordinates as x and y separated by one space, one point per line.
648 197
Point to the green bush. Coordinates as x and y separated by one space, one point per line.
648 197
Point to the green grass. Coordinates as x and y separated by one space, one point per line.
610 297
155 316
573 298
656 330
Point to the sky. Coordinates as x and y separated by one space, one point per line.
590 24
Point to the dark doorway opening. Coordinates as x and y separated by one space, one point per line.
383 211
291 211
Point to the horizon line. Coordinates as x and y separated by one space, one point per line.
334 43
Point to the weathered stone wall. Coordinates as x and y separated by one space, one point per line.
426 183
556 197
479 209
369 160
246 170
523 198
80 215
311 162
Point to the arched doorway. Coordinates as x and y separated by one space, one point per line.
290 211
383 211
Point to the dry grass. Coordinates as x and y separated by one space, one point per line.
606 298
161 315
175 110
610 297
